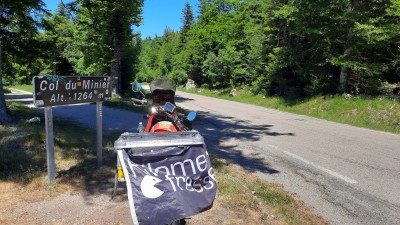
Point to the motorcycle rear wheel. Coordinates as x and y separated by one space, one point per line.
178 222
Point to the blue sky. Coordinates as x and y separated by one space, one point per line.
157 15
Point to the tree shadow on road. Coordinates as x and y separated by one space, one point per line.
251 163
219 131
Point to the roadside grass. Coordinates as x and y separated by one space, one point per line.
6 90
23 87
23 173
378 113
23 165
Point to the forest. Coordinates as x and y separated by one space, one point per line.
281 47
273 47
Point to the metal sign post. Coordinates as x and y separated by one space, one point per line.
65 90
48 114
99 133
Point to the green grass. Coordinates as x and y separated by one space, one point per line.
376 113
23 158
368 112
24 87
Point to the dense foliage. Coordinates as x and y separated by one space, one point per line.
282 47
94 37
18 46
278 47
85 37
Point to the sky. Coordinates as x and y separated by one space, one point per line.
157 15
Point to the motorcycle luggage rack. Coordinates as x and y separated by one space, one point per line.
145 142
141 142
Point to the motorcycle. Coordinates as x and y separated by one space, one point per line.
163 118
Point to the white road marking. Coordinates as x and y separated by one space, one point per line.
330 172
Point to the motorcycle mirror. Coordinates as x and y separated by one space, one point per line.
136 87
192 116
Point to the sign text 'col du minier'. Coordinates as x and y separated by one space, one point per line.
64 90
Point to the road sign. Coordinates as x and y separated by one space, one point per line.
65 90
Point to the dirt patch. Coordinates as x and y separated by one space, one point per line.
69 208
27 206
78 208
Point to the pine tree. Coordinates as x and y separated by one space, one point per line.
103 35
17 24
188 20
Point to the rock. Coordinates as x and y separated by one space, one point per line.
348 96
233 93
190 84
271 217
34 120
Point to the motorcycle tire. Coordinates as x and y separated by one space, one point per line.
178 222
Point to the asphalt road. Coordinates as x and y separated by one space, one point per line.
85 114
346 174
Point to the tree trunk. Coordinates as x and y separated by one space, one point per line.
4 117
116 69
344 71
343 80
